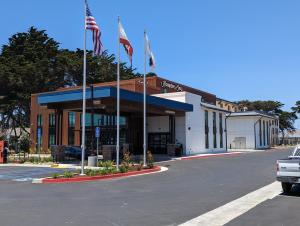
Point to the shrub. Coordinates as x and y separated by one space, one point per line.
47 159
24 143
68 174
87 171
126 159
106 164
104 171
123 169
140 166
92 173
112 170
55 175
150 159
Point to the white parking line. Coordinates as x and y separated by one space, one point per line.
232 210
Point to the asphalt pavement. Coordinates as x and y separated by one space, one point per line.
283 210
25 173
188 189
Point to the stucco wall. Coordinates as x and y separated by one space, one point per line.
243 126
190 129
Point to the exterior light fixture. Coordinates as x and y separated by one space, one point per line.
170 112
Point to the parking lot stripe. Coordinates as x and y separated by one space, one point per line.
234 209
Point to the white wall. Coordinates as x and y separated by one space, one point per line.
243 126
180 131
190 130
195 142
210 127
240 127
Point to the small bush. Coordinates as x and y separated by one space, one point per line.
112 170
150 159
123 169
126 159
47 159
106 164
104 171
140 166
68 174
55 175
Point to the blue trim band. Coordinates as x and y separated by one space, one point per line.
110 91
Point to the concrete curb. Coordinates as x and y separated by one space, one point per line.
156 169
201 156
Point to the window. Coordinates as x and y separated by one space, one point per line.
260 137
268 124
264 132
215 129
52 130
221 129
206 130
71 128
39 131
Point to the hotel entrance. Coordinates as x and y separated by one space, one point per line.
158 142
65 107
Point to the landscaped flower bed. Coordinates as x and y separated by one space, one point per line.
107 169
69 177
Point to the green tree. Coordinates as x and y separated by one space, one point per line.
296 109
27 65
286 122
32 62
286 119
269 106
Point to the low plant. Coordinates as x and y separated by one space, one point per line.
55 175
150 159
123 169
92 172
112 170
106 164
47 159
140 166
104 171
68 174
127 162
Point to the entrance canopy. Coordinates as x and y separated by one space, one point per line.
103 99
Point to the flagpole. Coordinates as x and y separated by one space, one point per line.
118 101
83 97
144 116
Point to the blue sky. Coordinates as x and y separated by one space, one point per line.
234 49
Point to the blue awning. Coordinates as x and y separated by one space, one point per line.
111 92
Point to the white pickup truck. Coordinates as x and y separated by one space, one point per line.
288 170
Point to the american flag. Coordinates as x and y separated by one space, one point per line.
90 24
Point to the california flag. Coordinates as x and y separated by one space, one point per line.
124 40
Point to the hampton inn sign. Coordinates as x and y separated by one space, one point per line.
165 84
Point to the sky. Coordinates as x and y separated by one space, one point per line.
234 49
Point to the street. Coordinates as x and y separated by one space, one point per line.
188 189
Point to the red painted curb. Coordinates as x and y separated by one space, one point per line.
100 177
208 156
